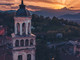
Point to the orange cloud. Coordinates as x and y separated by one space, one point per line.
54 4
51 4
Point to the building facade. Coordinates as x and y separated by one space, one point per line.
23 40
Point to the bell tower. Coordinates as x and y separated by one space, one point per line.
23 40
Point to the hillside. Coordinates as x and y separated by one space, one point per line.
45 28
48 28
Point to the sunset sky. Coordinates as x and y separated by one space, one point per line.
50 4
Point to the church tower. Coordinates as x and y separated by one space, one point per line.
23 40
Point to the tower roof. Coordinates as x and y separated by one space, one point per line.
22 12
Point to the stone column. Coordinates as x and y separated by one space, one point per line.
14 43
20 28
34 41
32 56
24 56
19 43
15 56
24 43
26 28
29 42
30 28
15 28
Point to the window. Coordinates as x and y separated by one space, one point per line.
18 28
17 43
22 43
20 57
31 42
29 57
24 28
26 42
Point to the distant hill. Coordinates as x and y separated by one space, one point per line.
73 17
60 13
53 12
8 11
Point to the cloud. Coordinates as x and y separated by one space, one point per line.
51 12
7 4
51 4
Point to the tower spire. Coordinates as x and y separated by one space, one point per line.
22 6
22 2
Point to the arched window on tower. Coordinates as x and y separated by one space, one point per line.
20 57
17 43
24 28
22 43
31 42
28 28
29 57
18 28
26 42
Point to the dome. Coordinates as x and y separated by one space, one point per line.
22 12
